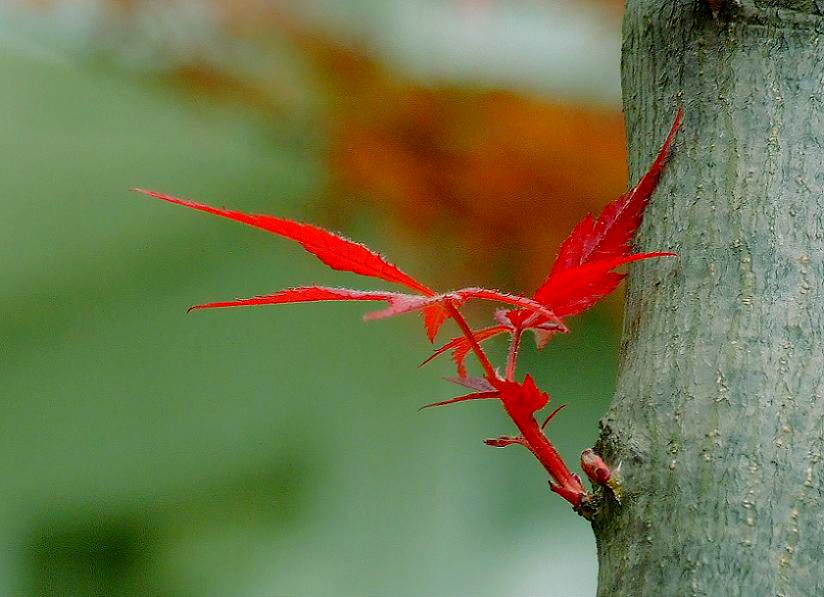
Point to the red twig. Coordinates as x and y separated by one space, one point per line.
512 357
548 456
467 331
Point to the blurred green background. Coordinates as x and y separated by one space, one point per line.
278 450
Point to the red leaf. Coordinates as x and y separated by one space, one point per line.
461 347
576 289
543 328
452 344
407 303
476 396
571 252
518 301
307 294
552 415
335 251
462 351
513 318
543 335
480 384
521 398
611 234
433 318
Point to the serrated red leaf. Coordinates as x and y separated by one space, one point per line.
461 347
571 252
399 303
513 318
480 384
452 344
306 294
475 396
433 318
332 249
611 234
460 353
408 303
576 289
521 399
512 299
543 334
573 286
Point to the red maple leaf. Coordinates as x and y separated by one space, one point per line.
606 241
584 270
343 254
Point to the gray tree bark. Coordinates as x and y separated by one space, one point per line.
718 418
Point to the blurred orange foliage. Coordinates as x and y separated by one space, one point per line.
497 176
502 175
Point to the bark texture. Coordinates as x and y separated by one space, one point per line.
718 418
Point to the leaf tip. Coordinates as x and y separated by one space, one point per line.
143 191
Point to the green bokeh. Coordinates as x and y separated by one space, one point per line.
256 451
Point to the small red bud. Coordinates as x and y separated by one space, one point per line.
595 467
502 442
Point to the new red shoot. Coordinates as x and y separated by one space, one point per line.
583 273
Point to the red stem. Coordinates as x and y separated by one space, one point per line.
569 484
512 358
545 452
470 335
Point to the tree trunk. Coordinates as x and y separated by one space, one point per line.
718 418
